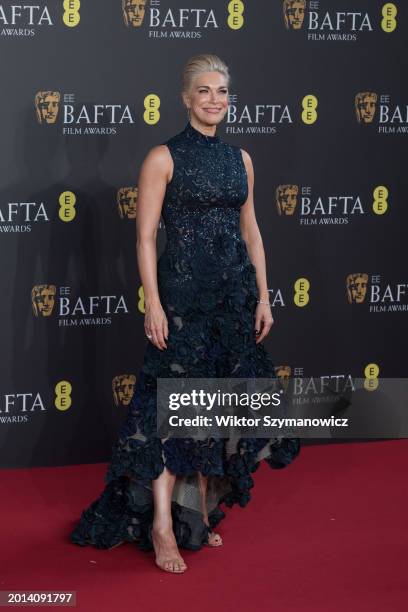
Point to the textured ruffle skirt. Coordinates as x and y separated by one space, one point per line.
210 307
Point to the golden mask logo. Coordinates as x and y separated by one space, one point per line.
133 12
76 311
127 200
43 300
123 387
365 105
356 285
294 13
283 373
286 199
379 297
47 106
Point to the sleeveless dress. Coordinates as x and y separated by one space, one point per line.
207 287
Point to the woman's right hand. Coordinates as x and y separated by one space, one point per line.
156 325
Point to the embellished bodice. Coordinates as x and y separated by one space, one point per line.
208 172
202 202
201 211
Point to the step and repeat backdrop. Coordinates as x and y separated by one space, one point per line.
318 100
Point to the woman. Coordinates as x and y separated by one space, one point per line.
207 312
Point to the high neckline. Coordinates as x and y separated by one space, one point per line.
199 137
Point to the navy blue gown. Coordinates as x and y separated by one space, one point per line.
208 290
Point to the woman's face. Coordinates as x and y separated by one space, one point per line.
208 97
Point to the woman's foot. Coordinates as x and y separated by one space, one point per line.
168 557
214 539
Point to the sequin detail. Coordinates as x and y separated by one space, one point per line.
201 208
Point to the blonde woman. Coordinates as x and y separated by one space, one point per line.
207 313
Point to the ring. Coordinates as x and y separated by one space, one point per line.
149 335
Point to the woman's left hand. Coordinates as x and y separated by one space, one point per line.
263 321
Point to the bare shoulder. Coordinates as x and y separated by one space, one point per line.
158 154
246 156
247 160
158 159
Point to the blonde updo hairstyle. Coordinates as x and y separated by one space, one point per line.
203 62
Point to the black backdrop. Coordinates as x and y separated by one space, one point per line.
318 101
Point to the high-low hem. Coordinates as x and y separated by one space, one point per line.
124 511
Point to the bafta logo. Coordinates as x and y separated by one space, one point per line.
123 387
133 12
283 373
127 199
43 299
294 13
356 287
365 102
286 199
47 106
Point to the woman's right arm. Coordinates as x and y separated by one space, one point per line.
154 174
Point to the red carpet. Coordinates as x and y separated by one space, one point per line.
327 534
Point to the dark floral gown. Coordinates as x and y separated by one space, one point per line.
208 290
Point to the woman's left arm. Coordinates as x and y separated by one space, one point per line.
253 239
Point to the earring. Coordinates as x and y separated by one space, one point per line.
188 114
